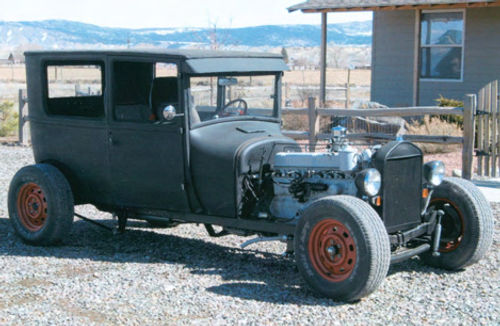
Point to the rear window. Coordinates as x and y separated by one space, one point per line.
75 89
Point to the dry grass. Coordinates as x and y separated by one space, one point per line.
301 123
334 77
13 73
435 126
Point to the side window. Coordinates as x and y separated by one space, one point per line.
75 89
165 70
142 89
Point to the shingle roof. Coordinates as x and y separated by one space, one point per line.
334 5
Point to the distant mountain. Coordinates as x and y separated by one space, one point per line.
60 34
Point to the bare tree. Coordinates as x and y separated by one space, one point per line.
284 53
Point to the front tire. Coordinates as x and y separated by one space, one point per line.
467 226
41 206
342 248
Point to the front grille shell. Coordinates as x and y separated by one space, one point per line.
400 164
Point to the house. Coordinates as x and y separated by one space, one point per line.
423 49
6 58
17 57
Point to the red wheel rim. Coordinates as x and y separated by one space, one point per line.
451 244
32 207
332 250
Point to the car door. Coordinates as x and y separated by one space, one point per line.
146 153
71 131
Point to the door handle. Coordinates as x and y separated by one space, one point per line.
110 139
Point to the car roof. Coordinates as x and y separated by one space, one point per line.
181 54
200 62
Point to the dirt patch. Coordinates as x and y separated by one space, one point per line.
33 282
91 315
74 271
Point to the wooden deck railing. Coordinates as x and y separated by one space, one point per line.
313 134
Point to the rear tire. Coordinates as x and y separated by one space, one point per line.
41 206
467 225
342 248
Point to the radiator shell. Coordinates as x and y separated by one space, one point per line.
400 164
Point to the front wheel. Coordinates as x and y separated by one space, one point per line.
467 226
342 248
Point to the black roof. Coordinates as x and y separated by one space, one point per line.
182 54
196 61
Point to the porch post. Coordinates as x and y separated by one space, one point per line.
324 40
416 63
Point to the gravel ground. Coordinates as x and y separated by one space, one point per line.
181 276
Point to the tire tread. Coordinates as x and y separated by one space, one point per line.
58 190
484 237
374 233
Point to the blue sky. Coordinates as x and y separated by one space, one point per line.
168 13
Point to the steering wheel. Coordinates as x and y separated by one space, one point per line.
242 104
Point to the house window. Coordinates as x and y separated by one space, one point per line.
442 45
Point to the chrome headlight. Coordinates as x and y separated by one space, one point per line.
369 182
434 172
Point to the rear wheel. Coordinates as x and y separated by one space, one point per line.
467 226
342 248
40 204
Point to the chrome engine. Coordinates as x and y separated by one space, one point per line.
300 178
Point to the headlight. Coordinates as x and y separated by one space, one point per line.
369 182
434 172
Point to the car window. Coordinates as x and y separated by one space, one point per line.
163 69
142 89
221 97
75 89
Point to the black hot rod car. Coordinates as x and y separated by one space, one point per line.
175 137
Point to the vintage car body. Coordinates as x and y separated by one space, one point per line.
163 149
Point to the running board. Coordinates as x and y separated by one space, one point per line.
91 221
408 253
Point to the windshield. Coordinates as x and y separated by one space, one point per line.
236 97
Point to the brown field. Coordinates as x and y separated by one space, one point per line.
12 73
334 77
14 77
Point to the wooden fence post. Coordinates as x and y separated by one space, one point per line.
480 132
348 90
313 123
469 135
487 131
21 102
494 128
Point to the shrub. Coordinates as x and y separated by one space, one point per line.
443 102
435 126
301 123
8 119
295 122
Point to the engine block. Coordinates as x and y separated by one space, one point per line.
300 178
344 160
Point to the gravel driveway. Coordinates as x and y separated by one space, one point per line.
181 276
